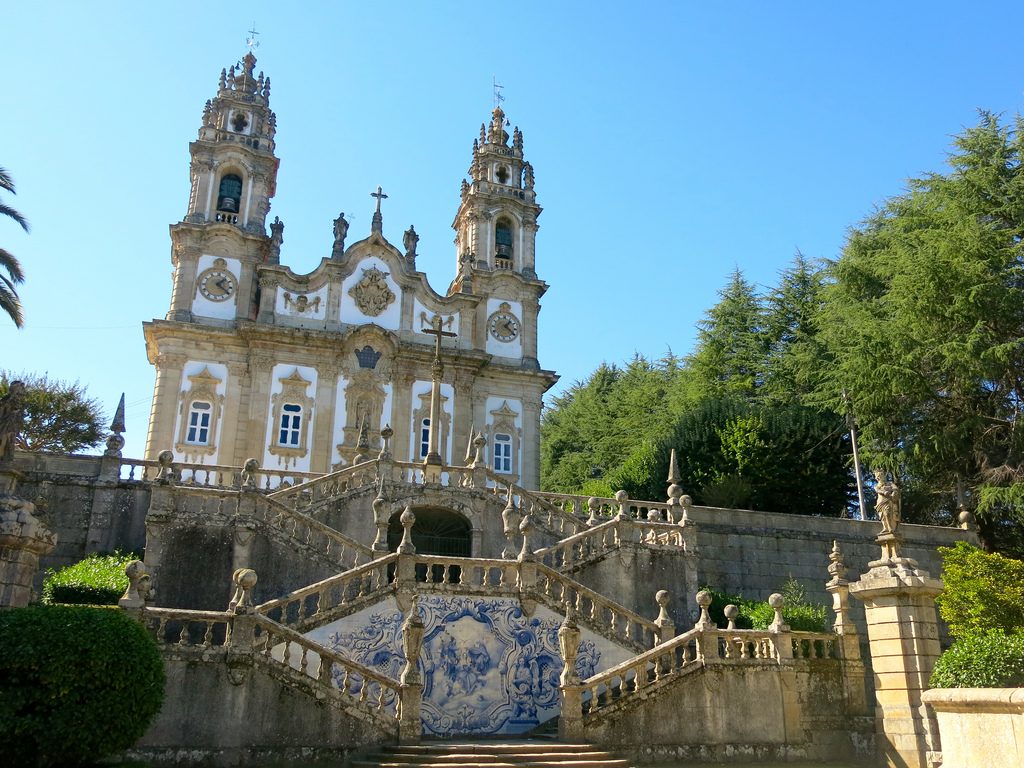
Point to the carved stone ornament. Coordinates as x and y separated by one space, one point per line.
372 294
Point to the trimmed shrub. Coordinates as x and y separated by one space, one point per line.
76 684
96 580
989 660
982 591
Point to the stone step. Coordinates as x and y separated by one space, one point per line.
491 754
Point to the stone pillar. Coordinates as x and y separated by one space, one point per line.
322 442
899 606
260 368
570 722
165 403
410 726
847 639
183 288
23 540
231 430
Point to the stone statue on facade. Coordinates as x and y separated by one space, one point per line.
12 415
276 240
888 504
340 232
410 240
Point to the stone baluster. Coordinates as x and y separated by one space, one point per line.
666 627
410 727
570 723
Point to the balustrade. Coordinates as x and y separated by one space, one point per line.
209 475
173 628
344 551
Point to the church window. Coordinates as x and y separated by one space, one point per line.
291 425
200 408
424 438
230 195
502 453
503 244
502 174
198 432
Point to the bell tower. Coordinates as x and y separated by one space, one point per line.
222 238
234 170
496 225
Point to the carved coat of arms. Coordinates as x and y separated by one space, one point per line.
371 293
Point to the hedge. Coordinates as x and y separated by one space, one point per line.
76 684
981 592
96 580
988 660
798 613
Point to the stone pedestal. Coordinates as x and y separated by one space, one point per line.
899 606
23 540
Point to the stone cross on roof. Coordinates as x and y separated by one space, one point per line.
378 220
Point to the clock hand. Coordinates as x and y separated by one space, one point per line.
222 284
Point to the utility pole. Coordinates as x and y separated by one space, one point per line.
851 423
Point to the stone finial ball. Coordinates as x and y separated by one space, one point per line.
621 496
134 570
251 465
674 491
593 503
731 612
407 518
703 598
661 597
685 500
165 458
776 601
526 524
246 578
387 432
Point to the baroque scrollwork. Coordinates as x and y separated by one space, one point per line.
372 294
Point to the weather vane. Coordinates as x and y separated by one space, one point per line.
251 42
498 95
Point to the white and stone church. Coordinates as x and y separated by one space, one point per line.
303 371
343 542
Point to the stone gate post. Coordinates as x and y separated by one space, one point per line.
899 605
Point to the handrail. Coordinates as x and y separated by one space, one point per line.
330 593
354 681
563 554
606 507
320 487
212 475
621 620
336 540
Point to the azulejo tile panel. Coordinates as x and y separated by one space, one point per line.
488 669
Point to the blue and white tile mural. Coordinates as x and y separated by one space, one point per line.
487 668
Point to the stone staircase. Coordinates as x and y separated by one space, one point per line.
512 753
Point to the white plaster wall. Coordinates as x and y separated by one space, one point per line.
447 406
391 317
338 433
191 368
202 306
386 415
308 319
514 348
283 371
419 309
493 404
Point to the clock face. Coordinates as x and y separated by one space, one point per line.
504 326
217 284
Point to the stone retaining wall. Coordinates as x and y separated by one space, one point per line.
979 726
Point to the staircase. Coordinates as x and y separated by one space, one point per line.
491 754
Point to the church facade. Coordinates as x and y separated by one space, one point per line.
302 372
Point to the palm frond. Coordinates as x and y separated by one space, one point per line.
10 304
6 210
10 264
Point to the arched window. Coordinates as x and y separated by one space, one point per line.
198 432
424 438
229 197
290 434
502 453
503 244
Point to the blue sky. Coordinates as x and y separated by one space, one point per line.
672 142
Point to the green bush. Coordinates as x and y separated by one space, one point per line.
96 580
798 613
988 660
76 683
982 591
